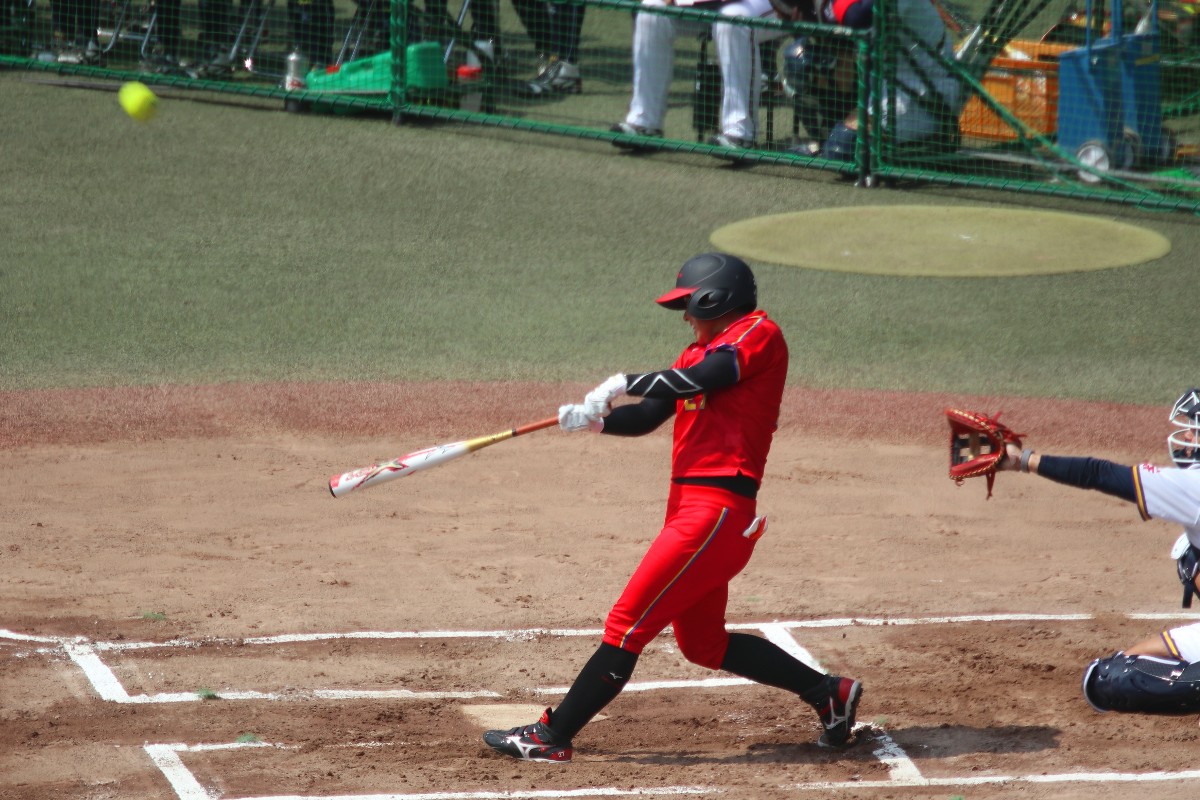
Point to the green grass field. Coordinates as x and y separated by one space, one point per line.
239 243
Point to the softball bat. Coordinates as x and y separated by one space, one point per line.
376 474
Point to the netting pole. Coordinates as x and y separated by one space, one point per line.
862 151
398 40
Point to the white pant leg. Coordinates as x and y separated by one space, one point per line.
741 67
653 64
1187 641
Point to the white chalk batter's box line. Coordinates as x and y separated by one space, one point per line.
902 774
902 771
86 655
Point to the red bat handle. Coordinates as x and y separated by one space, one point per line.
549 422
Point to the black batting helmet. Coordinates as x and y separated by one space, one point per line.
711 285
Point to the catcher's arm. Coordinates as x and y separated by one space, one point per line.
1118 480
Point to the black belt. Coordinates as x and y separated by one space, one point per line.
742 485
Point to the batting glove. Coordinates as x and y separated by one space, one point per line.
574 417
598 401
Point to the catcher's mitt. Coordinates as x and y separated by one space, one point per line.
977 445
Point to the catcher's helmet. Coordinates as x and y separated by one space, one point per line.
1185 416
711 285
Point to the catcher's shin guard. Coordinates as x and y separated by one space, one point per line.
1142 684
1187 563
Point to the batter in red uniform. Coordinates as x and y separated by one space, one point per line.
724 391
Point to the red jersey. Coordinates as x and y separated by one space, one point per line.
728 432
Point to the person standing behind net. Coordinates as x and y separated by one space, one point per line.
737 51
1160 675
725 391
921 89
555 29
485 26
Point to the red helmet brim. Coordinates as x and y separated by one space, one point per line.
677 298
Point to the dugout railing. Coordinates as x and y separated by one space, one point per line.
1035 96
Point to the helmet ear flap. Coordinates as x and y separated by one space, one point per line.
717 283
706 303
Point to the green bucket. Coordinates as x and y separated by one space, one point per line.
425 68
365 76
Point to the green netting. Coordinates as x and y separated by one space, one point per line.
1049 97
1040 96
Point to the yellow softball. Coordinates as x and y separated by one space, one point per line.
138 101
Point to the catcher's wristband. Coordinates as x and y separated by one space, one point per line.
1023 464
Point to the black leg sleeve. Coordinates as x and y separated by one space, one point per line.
765 662
567 26
485 19
536 21
600 680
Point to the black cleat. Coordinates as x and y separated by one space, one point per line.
836 702
557 77
530 742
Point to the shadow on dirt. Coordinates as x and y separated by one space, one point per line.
918 743
941 741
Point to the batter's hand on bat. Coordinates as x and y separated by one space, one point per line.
574 417
598 402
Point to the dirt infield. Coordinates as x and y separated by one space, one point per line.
160 546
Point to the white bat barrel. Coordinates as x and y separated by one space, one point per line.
405 465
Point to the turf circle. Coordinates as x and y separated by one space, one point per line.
941 241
